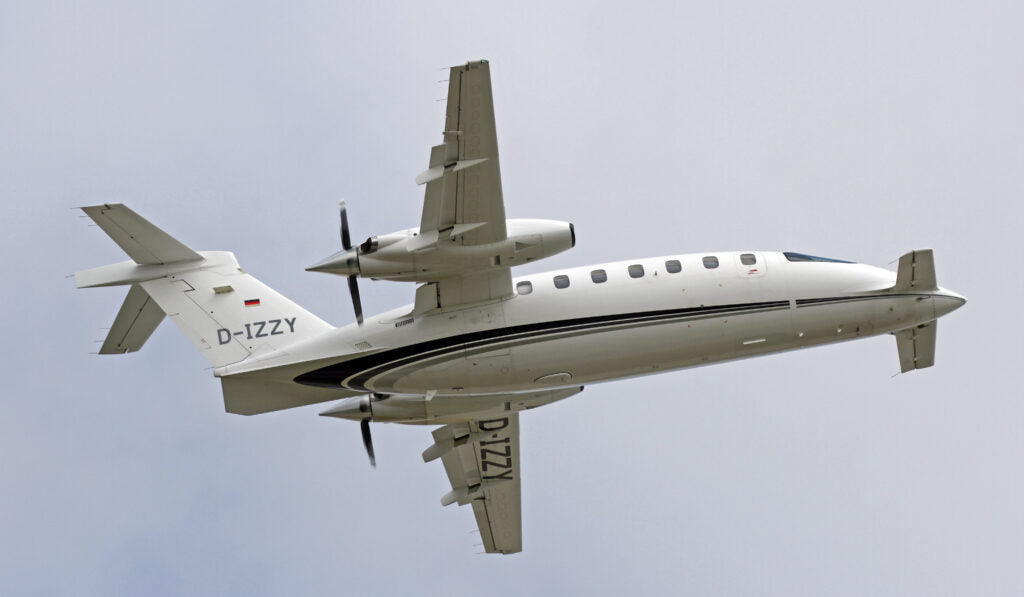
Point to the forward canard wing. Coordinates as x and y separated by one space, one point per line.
481 458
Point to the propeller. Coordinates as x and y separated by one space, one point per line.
353 284
364 426
359 408
366 406
344 262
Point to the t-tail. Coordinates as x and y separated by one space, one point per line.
226 313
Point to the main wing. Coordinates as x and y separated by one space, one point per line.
463 203
463 195
481 458
463 249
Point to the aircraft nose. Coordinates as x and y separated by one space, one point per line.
947 301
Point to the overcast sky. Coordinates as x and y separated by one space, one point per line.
855 130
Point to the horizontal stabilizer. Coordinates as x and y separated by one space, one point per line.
916 346
916 272
142 241
138 318
226 313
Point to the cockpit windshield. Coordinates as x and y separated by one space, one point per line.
802 257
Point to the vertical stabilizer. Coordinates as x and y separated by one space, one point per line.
226 313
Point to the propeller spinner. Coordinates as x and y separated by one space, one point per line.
346 260
359 408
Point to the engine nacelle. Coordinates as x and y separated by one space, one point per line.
407 255
440 409
539 238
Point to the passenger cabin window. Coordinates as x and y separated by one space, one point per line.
524 288
748 259
599 276
710 262
636 271
561 281
673 266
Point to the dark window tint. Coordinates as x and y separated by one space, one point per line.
711 262
598 276
636 271
524 288
673 266
748 259
561 281
802 257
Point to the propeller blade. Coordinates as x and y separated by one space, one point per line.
346 240
364 426
353 289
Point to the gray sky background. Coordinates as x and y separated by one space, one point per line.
854 130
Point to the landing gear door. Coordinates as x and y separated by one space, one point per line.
750 265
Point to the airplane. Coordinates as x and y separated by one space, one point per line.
477 346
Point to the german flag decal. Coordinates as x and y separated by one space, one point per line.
252 302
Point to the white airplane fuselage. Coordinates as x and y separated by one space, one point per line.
477 346
626 326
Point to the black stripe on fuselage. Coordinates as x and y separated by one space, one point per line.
831 300
355 373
